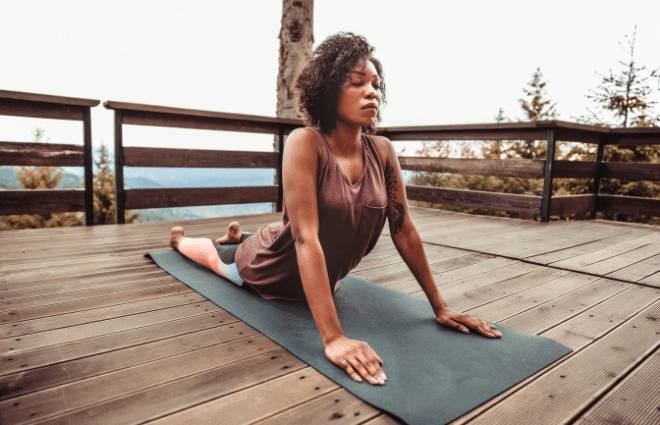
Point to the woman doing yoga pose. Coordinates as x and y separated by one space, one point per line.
340 185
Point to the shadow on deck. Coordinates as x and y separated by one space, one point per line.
93 332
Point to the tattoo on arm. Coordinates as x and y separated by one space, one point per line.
397 211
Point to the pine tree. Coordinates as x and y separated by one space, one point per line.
625 95
104 192
40 178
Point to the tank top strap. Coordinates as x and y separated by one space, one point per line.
325 148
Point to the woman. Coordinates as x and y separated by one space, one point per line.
339 186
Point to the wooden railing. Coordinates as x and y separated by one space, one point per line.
545 206
548 169
149 115
48 154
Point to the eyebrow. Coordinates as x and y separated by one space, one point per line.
364 74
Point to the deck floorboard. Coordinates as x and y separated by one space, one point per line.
93 332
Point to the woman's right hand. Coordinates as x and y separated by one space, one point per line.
357 359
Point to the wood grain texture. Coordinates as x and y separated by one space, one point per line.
522 204
41 201
41 154
531 169
188 197
90 331
197 158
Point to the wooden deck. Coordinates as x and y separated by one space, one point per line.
93 332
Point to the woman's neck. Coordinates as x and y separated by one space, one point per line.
345 140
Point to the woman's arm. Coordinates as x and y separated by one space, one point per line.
409 244
300 167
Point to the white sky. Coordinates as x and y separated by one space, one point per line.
445 62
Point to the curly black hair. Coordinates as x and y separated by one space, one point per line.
320 83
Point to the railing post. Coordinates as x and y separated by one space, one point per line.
278 172
120 198
89 169
599 171
547 177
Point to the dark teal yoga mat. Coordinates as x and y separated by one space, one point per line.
434 375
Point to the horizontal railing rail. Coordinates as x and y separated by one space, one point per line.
30 105
150 115
47 154
548 169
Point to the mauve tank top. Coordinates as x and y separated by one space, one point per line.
351 219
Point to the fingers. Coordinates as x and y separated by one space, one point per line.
463 323
360 363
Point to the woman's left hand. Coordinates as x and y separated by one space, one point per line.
463 323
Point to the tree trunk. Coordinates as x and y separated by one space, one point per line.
296 39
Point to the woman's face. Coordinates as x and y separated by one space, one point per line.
360 96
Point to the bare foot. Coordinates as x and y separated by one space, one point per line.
233 235
176 235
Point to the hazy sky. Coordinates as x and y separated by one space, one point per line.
445 62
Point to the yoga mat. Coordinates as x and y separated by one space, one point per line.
435 375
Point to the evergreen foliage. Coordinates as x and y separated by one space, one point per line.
104 192
40 178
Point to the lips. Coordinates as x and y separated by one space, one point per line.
370 106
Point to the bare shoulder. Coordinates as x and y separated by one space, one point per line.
304 141
385 149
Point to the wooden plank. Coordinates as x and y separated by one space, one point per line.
337 407
34 109
189 197
573 204
277 369
628 205
607 267
586 247
58 374
41 201
575 169
581 261
638 271
198 158
152 115
523 204
102 388
631 171
523 168
107 326
514 296
41 154
564 391
552 312
636 400
25 360
36 97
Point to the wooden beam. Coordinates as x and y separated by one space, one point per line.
548 176
631 171
628 205
120 198
524 168
189 197
197 158
162 116
41 154
522 204
574 204
41 201
31 109
575 169
46 98
89 169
